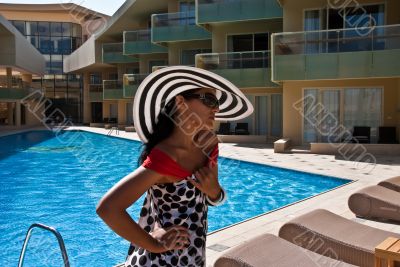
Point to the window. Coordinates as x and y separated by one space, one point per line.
324 113
31 28
20 25
248 42
44 28
349 17
268 112
96 78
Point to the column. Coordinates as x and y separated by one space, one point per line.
9 77
10 108
18 113
87 116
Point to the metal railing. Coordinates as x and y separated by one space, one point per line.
51 230
337 41
234 60
174 19
137 36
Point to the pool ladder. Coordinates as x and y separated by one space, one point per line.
51 230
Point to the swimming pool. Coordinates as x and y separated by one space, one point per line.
58 180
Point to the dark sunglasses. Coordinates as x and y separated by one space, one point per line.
207 99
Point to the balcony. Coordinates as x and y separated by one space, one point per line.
337 54
96 92
131 84
173 27
113 53
17 91
244 69
112 90
217 11
139 42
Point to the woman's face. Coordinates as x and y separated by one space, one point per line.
199 114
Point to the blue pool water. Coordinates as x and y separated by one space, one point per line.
58 180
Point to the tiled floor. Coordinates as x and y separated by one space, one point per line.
335 200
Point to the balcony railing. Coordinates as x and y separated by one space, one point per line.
131 84
139 42
215 11
181 26
114 53
96 92
342 53
112 90
244 69
17 89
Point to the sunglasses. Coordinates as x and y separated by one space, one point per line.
207 99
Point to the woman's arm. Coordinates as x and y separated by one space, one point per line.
112 209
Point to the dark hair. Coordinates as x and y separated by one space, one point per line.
163 129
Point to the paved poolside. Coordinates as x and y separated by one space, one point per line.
335 200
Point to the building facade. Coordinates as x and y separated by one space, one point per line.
231 38
19 62
56 30
338 65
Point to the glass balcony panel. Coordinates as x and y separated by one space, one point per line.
131 83
244 69
112 90
17 89
139 42
214 11
113 53
345 53
179 26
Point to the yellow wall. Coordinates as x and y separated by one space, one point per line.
293 11
220 32
293 92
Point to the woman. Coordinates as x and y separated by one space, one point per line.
174 113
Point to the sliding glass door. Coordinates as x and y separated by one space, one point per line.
325 110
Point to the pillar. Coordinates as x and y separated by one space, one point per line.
87 114
18 113
10 108
9 77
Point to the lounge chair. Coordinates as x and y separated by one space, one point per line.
224 128
392 183
242 128
270 250
361 134
331 235
376 202
387 135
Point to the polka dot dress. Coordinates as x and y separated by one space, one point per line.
171 204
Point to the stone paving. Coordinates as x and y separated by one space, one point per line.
334 200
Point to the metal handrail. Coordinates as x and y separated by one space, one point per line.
47 228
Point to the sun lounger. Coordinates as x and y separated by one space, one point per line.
334 236
376 202
270 250
392 183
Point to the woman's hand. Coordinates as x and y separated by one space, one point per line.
171 238
207 182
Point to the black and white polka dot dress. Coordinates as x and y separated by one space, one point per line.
174 204
171 204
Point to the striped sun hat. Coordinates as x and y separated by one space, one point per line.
161 86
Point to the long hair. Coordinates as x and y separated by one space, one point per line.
163 129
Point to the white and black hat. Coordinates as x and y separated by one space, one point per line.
161 86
